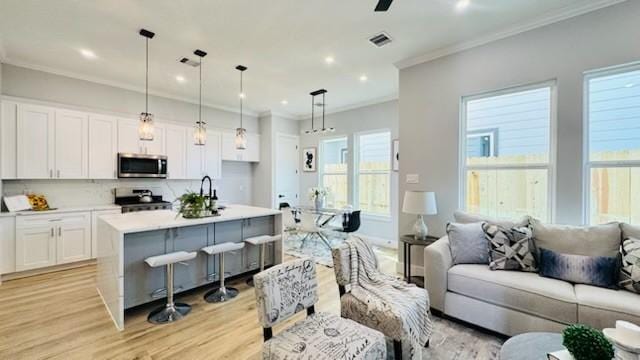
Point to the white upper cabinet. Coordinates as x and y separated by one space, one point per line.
8 138
71 145
195 157
129 142
157 145
103 147
35 142
176 151
230 153
213 151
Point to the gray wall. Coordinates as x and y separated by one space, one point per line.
236 184
430 96
347 123
39 85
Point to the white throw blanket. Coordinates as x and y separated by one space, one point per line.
379 290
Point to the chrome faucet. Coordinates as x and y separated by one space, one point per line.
206 177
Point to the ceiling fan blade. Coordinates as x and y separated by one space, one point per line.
383 5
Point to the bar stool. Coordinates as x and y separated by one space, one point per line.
262 241
171 311
222 293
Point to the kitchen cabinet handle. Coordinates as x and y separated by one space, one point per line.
59 231
50 173
58 174
52 232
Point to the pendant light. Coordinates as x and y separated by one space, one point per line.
200 131
145 127
324 129
241 132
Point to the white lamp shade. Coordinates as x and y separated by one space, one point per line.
420 203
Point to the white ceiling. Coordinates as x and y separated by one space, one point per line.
283 43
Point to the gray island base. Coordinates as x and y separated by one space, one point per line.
124 280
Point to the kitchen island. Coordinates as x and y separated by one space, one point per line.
124 280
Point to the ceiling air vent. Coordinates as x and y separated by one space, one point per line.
189 62
381 39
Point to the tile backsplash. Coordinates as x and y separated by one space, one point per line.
234 187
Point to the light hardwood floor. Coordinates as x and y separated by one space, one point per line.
60 316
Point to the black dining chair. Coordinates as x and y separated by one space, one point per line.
353 222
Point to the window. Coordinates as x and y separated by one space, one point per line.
507 160
374 173
612 156
335 160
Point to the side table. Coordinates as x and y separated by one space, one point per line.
408 241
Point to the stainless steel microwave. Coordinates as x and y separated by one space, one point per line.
142 166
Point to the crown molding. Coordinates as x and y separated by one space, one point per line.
353 106
284 115
121 85
544 20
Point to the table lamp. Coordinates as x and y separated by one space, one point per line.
420 203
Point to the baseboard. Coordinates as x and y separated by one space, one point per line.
415 269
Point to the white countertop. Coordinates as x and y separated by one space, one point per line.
166 219
62 210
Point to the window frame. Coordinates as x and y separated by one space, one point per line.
356 174
321 158
463 168
588 165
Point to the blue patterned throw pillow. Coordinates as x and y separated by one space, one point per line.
599 271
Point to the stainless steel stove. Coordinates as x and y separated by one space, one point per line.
143 199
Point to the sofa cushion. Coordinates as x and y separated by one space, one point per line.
630 270
578 269
630 231
522 291
601 307
468 244
510 249
467 218
598 240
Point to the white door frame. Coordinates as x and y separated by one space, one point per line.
276 160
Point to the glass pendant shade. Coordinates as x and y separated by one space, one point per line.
200 134
241 139
145 127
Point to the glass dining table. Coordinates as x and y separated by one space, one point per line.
323 215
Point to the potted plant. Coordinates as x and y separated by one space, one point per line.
586 343
192 205
317 195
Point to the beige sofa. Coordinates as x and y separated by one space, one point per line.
513 302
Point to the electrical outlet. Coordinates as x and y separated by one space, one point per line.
413 179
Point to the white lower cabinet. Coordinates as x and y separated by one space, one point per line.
7 244
46 240
35 247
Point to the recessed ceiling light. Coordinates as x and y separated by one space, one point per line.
180 78
284 102
329 60
363 78
462 4
88 54
630 85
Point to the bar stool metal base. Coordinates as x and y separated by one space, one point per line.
221 295
169 313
